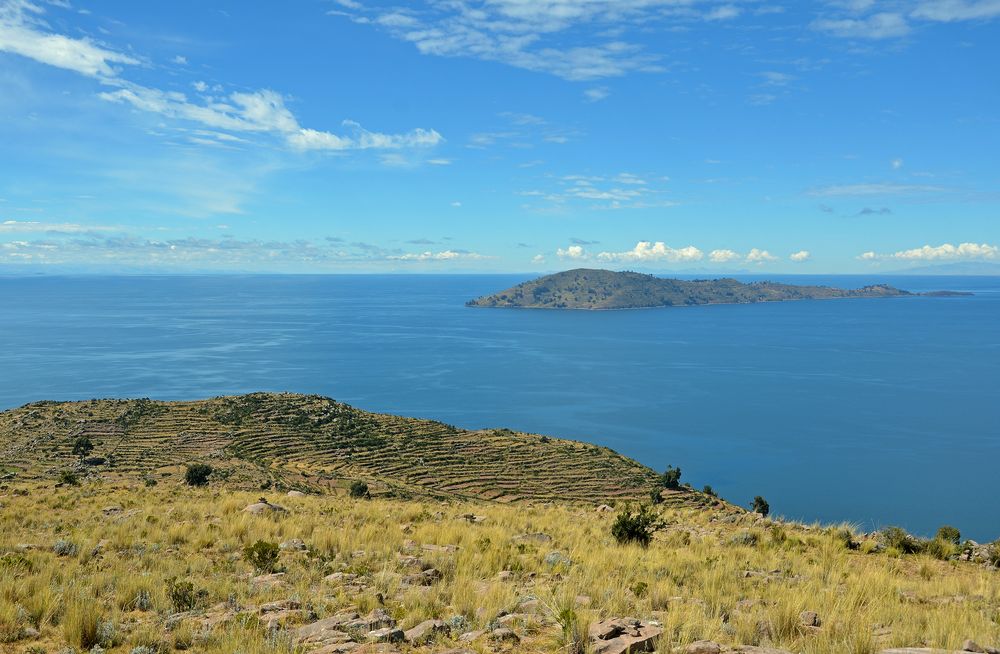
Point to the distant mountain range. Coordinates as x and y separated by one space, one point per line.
585 288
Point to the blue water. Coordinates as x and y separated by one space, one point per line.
870 411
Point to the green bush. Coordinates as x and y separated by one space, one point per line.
672 478
359 489
940 549
760 505
708 490
183 596
197 474
635 526
656 494
82 446
69 478
263 556
949 535
897 538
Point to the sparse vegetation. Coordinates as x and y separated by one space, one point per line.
359 489
262 555
635 526
760 505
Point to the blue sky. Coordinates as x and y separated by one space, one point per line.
505 135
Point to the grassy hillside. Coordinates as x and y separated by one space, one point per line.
314 444
604 289
148 570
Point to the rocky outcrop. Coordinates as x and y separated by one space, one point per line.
624 636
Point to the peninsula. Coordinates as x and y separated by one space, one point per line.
585 288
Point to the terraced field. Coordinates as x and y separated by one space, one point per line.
315 443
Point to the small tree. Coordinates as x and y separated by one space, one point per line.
82 446
656 494
949 534
635 526
760 505
263 556
197 474
708 490
359 489
672 478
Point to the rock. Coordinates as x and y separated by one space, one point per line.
425 578
273 579
439 548
623 636
703 647
30 632
425 632
111 510
294 545
386 635
503 634
283 605
263 507
470 636
749 649
516 619
326 630
505 575
604 508
809 619
536 537
295 493
556 558
474 519
340 577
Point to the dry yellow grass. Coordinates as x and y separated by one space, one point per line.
120 545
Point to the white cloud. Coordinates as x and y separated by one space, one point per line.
897 164
868 256
725 12
538 258
180 60
21 33
446 255
955 10
759 256
801 255
572 252
948 252
646 251
723 256
439 162
596 94
882 25
456 204
31 226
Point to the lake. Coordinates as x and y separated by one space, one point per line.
871 411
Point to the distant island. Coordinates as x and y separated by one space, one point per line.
585 288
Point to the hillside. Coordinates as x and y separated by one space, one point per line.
584 288
315 444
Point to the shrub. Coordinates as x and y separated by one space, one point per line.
69 478
635 527
64 547
672 478
993 553
760 505
197 474
746 538
949 534
940 549
263 556
182 595
359 489
708 490
82 446
656 494
897 539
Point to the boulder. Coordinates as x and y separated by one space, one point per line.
425 632
425 578
295 493
703 647
504 635
604 508
326 631
263 507
293 545
809 619
623 636
386 635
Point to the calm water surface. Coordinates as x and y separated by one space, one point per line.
870 411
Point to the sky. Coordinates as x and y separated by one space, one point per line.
833 136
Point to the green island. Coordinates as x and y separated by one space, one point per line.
296 524
586 288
